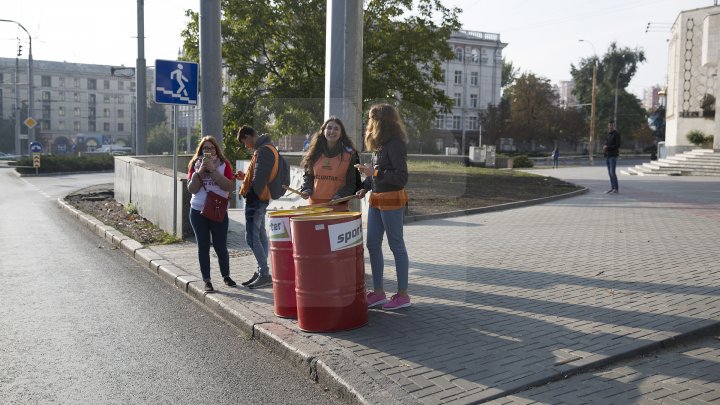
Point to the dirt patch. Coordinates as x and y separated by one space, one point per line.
430 191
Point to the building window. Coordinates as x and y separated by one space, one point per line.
443 75
61 125
106 84
440 121
121 84
473 100
76 112
484 57
91 99
458 54
77 83
121 127
61 111
106 99
45 125
475 56
46 96
46 112
106 127
457 122
121 99
458 77
458 100
106 112
62 81
91 126
121 113
76 97
92 84
76 125
473 78
45 81
61 96
472 123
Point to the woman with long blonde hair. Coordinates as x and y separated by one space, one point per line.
386 178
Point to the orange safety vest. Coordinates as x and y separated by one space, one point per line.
245 187
330 177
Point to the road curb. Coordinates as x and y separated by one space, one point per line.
272 335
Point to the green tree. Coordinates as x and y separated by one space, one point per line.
275 53
509 74
7 134
616 67
159 140
533 103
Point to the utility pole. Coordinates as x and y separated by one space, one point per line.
31 131
140 82
592 115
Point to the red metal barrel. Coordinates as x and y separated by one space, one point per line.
329 271
281 259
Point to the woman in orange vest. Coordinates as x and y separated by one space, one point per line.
330 166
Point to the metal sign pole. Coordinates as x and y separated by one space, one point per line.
175 120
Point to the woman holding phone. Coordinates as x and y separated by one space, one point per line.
209 170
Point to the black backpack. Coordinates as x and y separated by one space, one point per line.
282 178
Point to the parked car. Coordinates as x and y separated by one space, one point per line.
5 156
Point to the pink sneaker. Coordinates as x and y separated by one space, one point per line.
397 302
374 299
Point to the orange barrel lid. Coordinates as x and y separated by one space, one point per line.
326 215
290 213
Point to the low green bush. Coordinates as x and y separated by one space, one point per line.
696 137
522 161
60 164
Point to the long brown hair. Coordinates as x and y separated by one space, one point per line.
198 150
384 123
318 143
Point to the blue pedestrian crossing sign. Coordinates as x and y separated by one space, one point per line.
176 82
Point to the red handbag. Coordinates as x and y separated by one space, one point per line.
215 208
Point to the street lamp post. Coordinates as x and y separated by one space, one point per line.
617 78
592 109
31 131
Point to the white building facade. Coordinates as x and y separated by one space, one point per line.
693 81
473 80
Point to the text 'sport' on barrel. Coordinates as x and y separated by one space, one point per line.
329 271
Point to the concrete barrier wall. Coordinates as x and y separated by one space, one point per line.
149 188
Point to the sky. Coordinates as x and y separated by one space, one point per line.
542 36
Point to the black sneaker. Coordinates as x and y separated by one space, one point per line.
260 282
209 287
229 282
253 278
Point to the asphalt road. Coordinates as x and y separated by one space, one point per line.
81 322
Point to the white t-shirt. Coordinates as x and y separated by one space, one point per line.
197 201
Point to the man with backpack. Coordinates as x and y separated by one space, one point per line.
264 177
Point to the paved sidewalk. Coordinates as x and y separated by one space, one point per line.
562 296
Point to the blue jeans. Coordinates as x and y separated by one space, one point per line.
204 229
256 235
391 223
611 162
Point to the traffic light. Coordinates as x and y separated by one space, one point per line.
19 50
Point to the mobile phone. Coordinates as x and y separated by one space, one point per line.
207 155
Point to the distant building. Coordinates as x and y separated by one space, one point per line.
77 106
694 54
565 92
472 79
651 98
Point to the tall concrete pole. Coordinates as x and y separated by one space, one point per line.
343 65
211 69
140 83
592 115
18 149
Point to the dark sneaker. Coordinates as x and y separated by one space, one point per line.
253 278
261 281
209 287
229 282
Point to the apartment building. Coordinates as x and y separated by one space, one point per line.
76 106
472 79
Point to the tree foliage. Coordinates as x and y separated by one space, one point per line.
275 53
532 104
615 69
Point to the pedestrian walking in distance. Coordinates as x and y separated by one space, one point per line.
556 157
